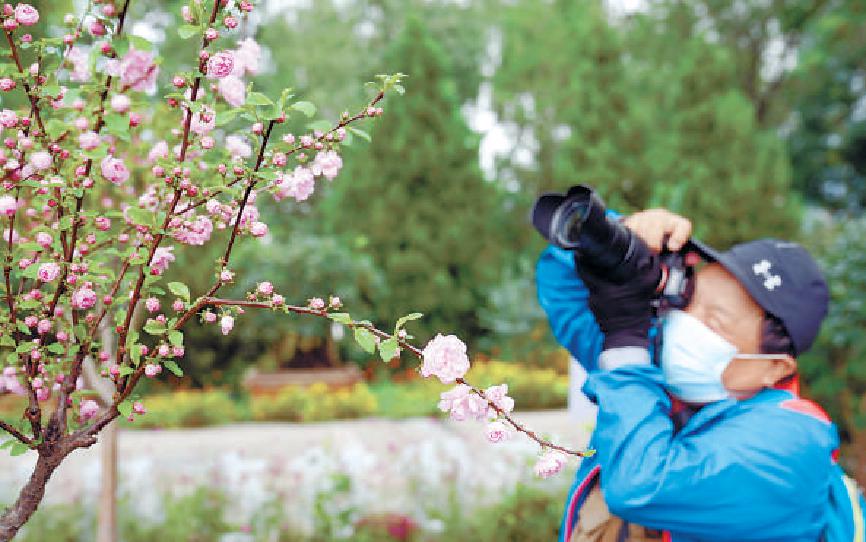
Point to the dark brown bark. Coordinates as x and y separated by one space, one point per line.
31 494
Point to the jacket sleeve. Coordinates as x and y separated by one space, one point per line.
753 471
565 299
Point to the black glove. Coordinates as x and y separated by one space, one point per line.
623 311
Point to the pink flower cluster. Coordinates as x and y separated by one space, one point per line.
551 462
445 357
192 232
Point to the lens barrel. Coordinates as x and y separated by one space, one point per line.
579 221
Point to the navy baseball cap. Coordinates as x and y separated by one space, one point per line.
783 278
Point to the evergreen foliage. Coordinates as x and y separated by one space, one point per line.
417 198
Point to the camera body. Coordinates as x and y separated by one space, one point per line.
579 221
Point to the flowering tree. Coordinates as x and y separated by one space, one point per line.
196 161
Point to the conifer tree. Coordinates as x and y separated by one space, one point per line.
418 200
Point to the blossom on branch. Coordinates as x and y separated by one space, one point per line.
445 357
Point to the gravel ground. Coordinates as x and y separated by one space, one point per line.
406 466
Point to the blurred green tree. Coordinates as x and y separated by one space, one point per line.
418 201
834 369
649 115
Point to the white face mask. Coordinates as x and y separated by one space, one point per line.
693 358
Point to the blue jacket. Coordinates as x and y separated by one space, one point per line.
757 469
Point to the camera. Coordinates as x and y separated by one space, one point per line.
579 221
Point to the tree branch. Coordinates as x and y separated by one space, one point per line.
15 433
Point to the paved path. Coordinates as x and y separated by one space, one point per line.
408 466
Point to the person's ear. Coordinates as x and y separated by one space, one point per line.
781 367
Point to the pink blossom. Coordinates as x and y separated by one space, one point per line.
152 369
159 150
48 272
88 409
277 300
7 84
177 351
30 321
186 13
462 404
498 395
238 147
265 288
83 298
80 65
258 229
497 431
120 103
299 185
44 326
102 223
161 258
550 463
226 275
196 232
220 65
317 303
43 394
233 90
88 140
246 58
151 304
445 357
138 408
8 206
43 239
178 305
327 163
210 317
203 121
226 324
10 381
8 118
164 350
138 71
41 160
114 170
26 14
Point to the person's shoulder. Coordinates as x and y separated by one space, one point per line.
786 420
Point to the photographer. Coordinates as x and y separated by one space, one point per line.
712 443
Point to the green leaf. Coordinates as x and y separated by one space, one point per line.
172 366
341 317
126 371
154 327
388 349
6 340
307 108
140 43
399 89
141 216
18 448
11 358
135 354
8 444
225 117
56 348
117 125
407 318
360 133
187 31
175 337
125 408
65 222
321 125
179 289
365 339
257 98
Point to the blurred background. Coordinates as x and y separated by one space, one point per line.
747 116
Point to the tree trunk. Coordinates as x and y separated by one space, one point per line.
107 519
31 495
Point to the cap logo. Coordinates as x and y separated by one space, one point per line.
762 268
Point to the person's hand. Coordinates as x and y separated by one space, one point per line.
623 311
653 225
